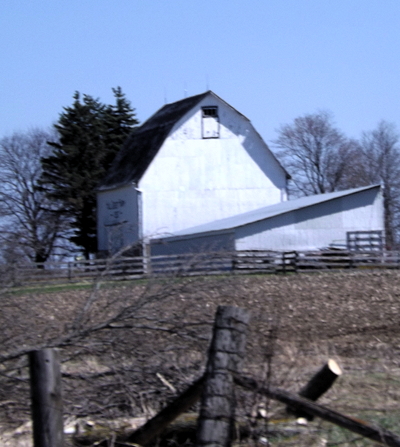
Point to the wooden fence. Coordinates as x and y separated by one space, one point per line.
240 262
216 422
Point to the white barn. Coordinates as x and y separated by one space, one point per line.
197 176
193 162
308 223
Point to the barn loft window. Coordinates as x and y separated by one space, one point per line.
210 122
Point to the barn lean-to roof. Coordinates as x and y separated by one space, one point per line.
230 223
145 141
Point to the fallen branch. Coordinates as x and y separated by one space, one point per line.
358 426
155 426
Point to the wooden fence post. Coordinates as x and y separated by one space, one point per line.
69 271
47 414
146 259
226 353
14 273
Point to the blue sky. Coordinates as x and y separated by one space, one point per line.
273 60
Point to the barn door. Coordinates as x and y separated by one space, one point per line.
115 237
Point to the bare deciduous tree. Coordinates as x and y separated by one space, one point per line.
315 153
381 164
29 229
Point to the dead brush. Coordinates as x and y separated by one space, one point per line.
132 331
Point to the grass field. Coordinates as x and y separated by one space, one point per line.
118 343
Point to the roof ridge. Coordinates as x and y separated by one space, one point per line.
144 142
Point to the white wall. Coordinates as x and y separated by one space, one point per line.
194 180
118 218
315 227
217 242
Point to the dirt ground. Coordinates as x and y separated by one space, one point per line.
128 348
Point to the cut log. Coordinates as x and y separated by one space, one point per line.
321 381
317 386
363 428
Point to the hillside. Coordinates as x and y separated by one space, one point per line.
128 348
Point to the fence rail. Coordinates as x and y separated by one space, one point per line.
237 263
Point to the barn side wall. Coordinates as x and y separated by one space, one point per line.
317 226
195 244
118 218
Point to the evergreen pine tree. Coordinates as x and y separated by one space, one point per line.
120 121
90 135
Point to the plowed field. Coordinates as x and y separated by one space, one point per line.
129 348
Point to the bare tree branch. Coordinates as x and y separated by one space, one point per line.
381 152
29 229
315 153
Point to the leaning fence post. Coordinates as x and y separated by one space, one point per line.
225 358
47 416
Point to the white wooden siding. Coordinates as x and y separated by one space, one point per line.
222 241
193 180
118 218
315 227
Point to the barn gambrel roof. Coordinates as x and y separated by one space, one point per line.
145 141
